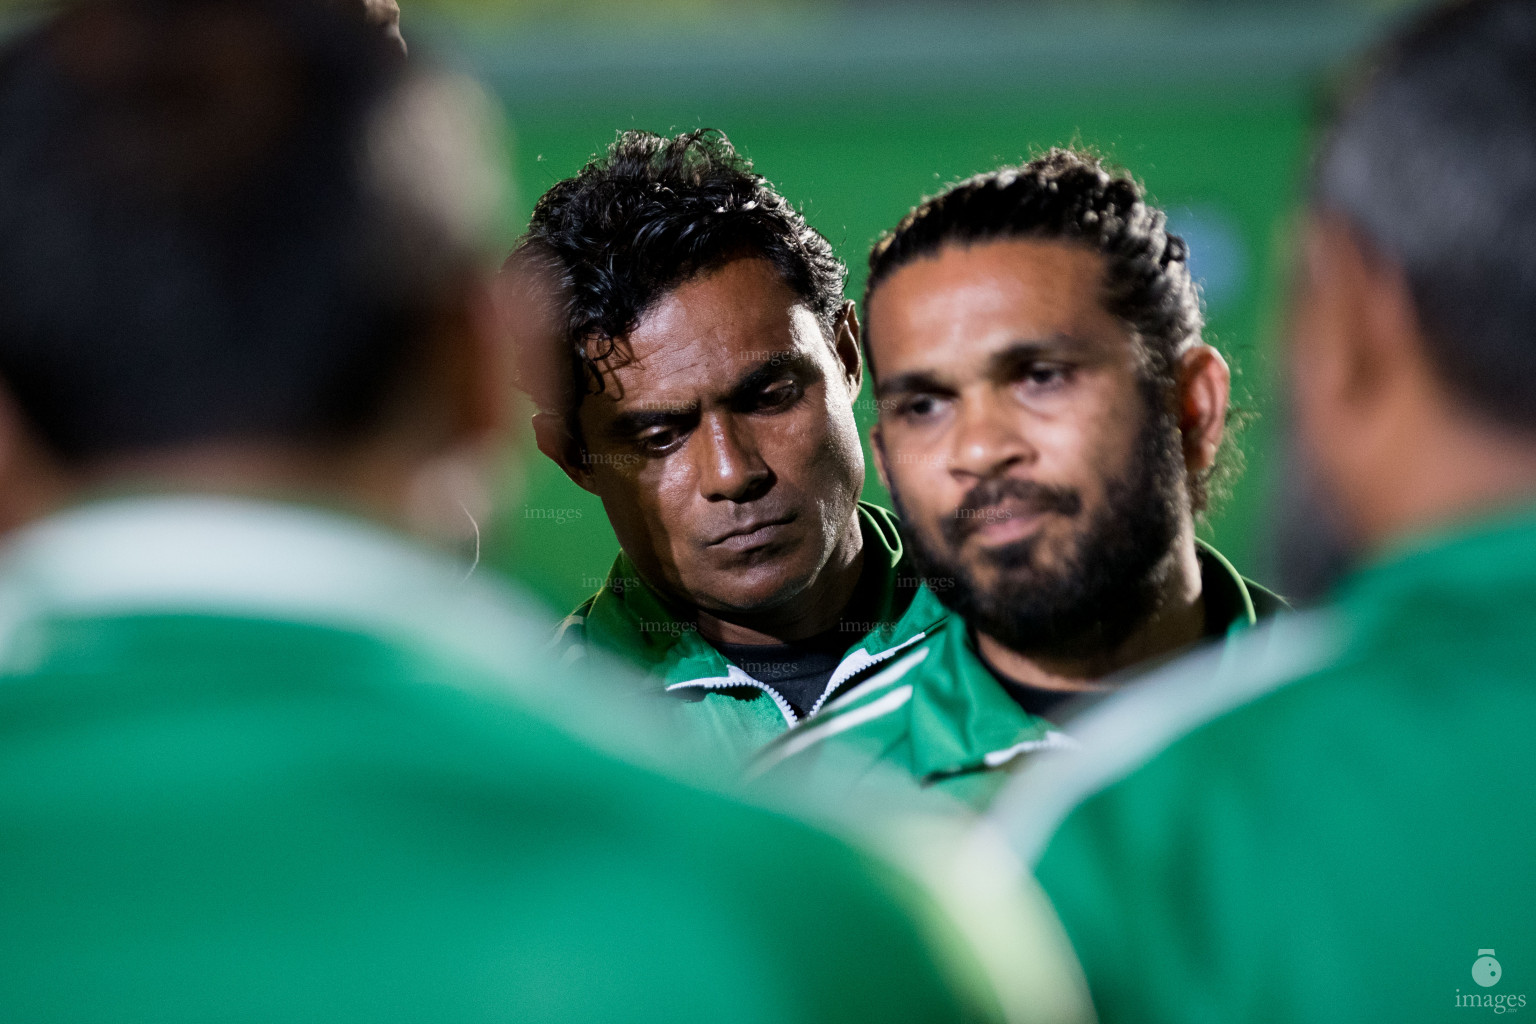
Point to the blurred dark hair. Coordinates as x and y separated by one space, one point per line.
643 218
1433 159
197 239
1069 196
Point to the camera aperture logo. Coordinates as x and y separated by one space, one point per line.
1488 972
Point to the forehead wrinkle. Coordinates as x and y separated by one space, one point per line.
669 378
708 368
975 301
690 345
1004 360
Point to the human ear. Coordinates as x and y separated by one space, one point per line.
1358 370
492 376
877 447
845 342
1362 325
553 435
1204 393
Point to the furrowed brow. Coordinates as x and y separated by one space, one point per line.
629 424
916 382
782 364
1020 355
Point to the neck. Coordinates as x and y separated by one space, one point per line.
812 611
1178 621
31 485
1463 469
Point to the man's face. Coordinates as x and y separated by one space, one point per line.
723 445
1037 471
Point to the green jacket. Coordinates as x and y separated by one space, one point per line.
1335 823
267 764
724 710
938 715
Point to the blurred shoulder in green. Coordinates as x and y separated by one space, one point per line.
262 761
273 762
1350 786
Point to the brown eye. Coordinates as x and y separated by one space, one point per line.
779 395
918 407
659 442
1047 376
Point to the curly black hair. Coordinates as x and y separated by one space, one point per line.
1069 195
648 215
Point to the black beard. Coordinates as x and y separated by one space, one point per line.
1111 584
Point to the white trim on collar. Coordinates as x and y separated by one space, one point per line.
735 676
1126 731
257 559
796 740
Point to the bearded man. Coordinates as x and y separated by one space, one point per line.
1049 424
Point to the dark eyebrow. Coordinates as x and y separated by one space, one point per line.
1000 365
909 383
1022 354
632 424
782 364
778 365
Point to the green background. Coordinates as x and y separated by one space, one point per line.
856 117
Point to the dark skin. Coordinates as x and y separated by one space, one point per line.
726 455
1417 458
1000 360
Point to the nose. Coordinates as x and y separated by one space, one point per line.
989 438
730 466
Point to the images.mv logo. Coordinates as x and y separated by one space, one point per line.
1487 972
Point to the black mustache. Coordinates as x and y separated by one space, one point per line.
1035 497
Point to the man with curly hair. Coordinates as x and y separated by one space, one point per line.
1049 423
695 368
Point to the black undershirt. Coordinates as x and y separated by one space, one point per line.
1223 604
799 671
1035 700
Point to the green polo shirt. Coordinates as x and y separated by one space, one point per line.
724 711
1338 823
263 763
937 715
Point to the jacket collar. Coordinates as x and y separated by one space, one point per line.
628 616
238 557
1487 561
961 717
1232 602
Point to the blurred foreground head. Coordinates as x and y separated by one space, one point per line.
1413 356
380 16
239 243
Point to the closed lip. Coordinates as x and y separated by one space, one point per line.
1003 523
751 533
